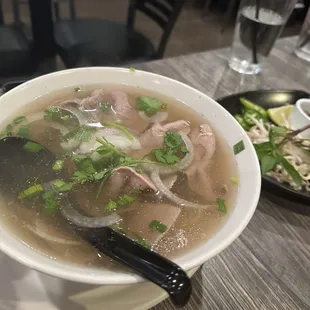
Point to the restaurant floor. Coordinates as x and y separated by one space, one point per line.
194 31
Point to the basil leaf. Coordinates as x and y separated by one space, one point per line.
292 172
263 149
267 163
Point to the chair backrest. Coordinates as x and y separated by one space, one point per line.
164 12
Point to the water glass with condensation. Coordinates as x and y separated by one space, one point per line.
259 24
302 49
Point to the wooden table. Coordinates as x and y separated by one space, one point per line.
268 266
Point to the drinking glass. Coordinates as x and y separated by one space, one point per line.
302 48
259 24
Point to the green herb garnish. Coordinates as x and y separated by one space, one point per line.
159 226
59 164
120 127
125 200
50 202
235 180
19 119
172 139
141 241
149 105
131 69
110 207
23 131
32 147
239 147
105 107
77 89
84 133
55 114
165 156
221 205
32 191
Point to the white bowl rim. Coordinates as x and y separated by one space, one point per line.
95 276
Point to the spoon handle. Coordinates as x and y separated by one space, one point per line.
147 263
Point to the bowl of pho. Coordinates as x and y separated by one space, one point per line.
148 156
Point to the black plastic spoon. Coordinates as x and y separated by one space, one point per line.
19 164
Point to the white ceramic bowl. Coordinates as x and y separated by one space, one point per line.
300 117
249 172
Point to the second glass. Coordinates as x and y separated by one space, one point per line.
259 24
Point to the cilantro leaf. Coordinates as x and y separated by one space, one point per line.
172 139
148 105
165 156
157 225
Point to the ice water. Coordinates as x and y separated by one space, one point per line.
255 34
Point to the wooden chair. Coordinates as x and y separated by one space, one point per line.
99 42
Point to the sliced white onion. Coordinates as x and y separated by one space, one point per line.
39 117
156 118
40 230
172 197
70 145
78 219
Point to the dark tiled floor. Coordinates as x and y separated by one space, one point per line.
194 31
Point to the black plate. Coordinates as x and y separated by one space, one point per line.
270 99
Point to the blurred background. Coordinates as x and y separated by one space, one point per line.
39 36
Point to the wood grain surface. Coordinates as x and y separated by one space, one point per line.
268 266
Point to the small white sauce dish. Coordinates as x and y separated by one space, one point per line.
300 117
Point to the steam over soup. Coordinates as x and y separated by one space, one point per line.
145 165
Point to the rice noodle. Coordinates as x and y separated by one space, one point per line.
259 133
78 219
171 196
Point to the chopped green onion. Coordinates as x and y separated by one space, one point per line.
59 164
120 127
19 119
221 205
33 190
159 226
239 147
235 180
141 241
23 131
32 147
61 186
4 134
105 107
65 117
110 207
50 202
77 89
9 129
125 200
131 69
